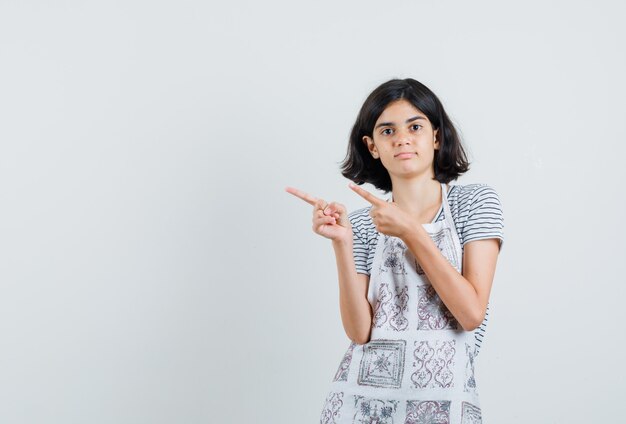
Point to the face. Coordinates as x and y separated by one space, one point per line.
404 140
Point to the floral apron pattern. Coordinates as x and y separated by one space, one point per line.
418 366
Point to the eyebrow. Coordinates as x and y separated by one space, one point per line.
391 124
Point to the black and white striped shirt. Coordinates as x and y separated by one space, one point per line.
476 212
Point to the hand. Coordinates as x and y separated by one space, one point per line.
330 220
387 216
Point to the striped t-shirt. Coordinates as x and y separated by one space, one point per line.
477 215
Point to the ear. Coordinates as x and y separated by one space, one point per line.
371 146
436 145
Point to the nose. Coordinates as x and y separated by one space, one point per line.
402 137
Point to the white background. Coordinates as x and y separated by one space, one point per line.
153 268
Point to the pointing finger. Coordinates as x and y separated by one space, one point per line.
302 195
366 195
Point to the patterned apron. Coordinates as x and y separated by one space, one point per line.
418 366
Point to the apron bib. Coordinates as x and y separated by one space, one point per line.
418 366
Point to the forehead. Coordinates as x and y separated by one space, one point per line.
399 109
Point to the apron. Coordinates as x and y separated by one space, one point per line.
418 366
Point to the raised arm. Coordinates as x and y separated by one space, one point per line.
330 220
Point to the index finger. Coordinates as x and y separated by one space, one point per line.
366 195
302 195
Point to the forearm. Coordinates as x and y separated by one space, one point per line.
356 312
454 290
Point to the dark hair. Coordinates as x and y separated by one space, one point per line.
450 160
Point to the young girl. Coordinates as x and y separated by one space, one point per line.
415 270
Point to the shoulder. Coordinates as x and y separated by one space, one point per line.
470 196
360 216
479 212
470 189
362 225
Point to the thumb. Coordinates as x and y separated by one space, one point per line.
341 214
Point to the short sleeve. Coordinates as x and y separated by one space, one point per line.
360 245
485 218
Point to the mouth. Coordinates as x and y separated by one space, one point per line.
405 155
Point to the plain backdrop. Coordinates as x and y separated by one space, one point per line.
154 270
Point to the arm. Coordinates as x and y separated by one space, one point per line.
356 312
466 295
331 221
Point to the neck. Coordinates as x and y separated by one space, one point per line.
417 196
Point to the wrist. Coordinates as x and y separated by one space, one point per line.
411 230
342 243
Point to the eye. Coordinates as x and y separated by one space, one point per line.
386 133
416 125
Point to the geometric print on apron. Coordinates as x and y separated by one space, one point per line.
418 366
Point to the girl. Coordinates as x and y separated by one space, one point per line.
415 271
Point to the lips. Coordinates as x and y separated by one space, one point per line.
404 155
